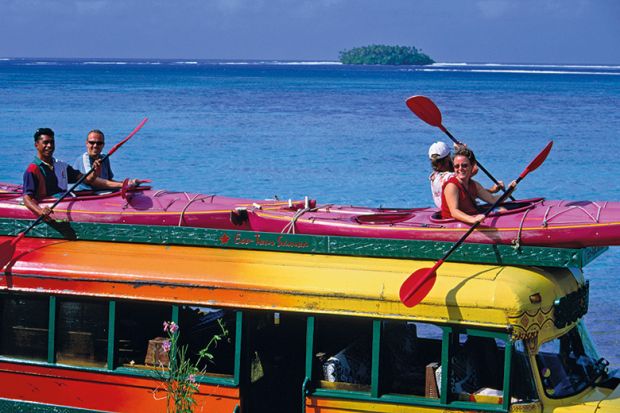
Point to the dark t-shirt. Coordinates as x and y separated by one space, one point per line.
41 181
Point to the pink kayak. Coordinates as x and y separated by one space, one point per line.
142 206
571 224
537 221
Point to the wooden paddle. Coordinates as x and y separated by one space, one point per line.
425 109
420 282
7 248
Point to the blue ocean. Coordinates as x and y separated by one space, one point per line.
332 132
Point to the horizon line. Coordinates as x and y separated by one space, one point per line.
288 60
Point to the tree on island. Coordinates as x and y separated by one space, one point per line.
384 55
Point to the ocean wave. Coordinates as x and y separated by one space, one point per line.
326 62
511 69
103 62
529 65
450 64
610 67
118 62
594 69
546 72
41 63
276 62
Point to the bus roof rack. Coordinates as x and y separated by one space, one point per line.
312 244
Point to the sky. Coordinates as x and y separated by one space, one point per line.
491 31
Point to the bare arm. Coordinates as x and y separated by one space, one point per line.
101 183
496 187
95 181
90 178
94 174
485 195
33 205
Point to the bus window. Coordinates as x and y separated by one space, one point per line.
477 369
343 353
82 333
569 364
198 326
409 351
522 384
140 334
23 332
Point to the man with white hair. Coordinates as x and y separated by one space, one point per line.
95 141
441 162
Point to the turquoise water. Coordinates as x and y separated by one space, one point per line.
335 133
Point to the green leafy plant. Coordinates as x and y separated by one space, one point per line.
379 54
178 374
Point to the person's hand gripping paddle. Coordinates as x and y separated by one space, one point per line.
420 282
7 248
425 109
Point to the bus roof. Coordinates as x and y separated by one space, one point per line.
493 254
470 294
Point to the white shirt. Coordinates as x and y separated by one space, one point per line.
438 179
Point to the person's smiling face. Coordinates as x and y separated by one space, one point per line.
94 144
45 147
462 167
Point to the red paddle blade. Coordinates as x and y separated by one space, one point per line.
417 286
425 109
7 249
538 160
125 188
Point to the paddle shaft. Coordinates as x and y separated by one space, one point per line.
531 167
79 181
477 224
431 271
482 168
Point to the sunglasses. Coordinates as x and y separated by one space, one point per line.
96 143
461 165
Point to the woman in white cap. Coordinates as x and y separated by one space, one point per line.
441 162
443 169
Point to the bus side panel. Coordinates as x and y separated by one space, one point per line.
100 391
327 405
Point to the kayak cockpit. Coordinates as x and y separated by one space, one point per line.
384 218
507 208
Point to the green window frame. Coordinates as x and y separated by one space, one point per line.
25 327
377 394
59 327
111 365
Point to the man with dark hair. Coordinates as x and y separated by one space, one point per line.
95 141
47 176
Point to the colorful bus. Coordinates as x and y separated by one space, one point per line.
315 332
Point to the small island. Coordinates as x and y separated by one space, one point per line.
384 55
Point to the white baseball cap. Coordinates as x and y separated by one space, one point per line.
440 149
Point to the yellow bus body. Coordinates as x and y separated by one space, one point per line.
517 300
